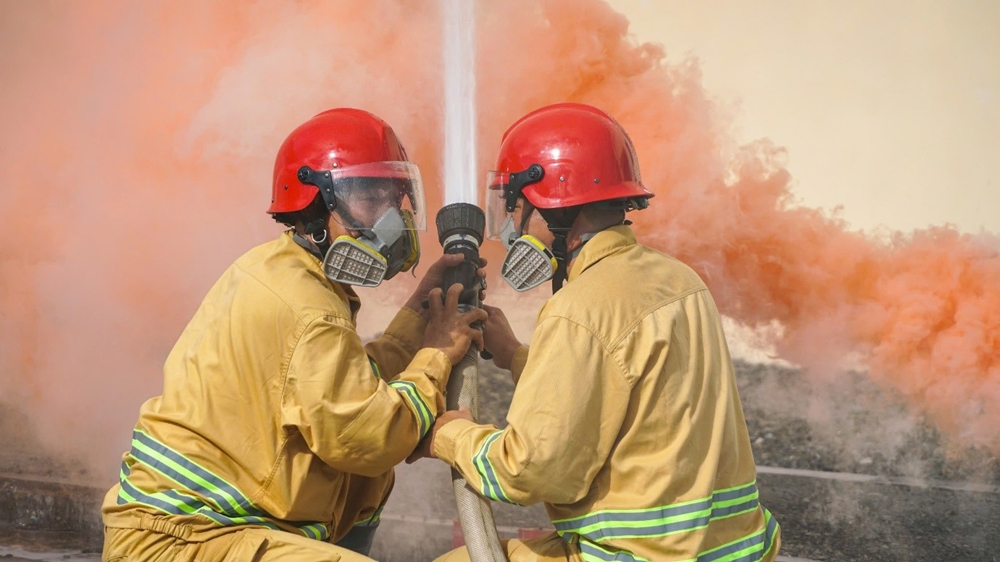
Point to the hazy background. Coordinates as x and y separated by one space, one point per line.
890 110
829 168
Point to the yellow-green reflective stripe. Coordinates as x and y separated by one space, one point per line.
171 469
722 494
664 520
189 474
213 483
487 474
409 391
594 553
375 370
174 502
227 505
750 548
771 528
369 521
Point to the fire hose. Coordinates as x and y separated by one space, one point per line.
460 230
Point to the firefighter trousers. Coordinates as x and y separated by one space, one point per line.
153 539
550 548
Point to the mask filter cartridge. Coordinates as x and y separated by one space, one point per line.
353 262
528 264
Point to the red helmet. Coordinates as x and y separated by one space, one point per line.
333 140
563 155
584 154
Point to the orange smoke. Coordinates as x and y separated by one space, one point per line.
138 140
137 148
921 310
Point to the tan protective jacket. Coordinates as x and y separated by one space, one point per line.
626 420
273 413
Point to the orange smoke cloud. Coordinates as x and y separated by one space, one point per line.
921 310
137 147
139 137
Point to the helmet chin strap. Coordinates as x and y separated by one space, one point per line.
559 251
317 238
564 256
560 225
560 222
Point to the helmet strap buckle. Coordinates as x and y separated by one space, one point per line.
518 181
317 233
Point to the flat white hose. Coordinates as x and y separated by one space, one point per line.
474 511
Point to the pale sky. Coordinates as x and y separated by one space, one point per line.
888 108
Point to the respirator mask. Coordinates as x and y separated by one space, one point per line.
528 262
384 202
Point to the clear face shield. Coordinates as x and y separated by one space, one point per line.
384 201
528 263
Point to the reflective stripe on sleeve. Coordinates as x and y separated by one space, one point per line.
375 370
409 391
491 485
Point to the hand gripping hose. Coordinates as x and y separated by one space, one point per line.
460 230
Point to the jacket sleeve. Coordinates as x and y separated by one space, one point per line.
350 418
518 362
395 348
566 413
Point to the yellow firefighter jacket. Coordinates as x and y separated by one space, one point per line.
273 413
626 420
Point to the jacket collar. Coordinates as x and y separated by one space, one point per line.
345 292
602 245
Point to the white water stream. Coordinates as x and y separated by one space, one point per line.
460 182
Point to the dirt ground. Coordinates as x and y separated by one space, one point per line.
920 497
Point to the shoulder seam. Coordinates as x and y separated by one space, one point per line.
667 302
622 370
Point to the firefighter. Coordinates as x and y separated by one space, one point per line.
277 430
625 420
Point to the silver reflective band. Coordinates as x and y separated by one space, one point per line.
354 262
528 264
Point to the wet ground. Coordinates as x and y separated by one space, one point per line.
849 472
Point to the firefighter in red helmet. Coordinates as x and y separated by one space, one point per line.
278 429
646 455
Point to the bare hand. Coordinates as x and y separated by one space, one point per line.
448 329
425 450
435 277
499 338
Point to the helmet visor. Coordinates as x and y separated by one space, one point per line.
496 206
367 191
